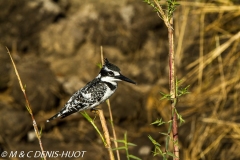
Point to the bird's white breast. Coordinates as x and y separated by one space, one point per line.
107 94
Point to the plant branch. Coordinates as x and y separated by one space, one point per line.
38 134
113 129
162 14
168 20
106 133
104 124
173 90
110 113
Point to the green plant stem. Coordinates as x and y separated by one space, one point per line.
168 136
93 124
126 146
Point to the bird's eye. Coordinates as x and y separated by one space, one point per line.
110 73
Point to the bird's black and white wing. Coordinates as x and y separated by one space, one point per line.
85 98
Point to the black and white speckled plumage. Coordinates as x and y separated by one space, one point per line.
95 92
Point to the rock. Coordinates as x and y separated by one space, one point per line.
14 123
121 25
65 37
21 21
145 150
5 68
126 105
41 85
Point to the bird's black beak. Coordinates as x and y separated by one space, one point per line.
123 78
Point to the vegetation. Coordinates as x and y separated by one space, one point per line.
206 60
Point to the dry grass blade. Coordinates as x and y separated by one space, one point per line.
104 125
113 128
110 113
210 7
229 124
207 59
181 37
213 144
38 134
216 52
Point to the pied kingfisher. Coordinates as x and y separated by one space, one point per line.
95 92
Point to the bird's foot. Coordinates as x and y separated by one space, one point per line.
95 110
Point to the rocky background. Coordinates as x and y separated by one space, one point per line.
56 47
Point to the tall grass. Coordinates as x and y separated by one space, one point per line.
208 57
28 107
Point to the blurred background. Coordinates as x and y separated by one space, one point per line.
56 47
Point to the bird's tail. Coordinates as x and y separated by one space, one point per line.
63 113
54 117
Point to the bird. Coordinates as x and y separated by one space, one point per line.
95 92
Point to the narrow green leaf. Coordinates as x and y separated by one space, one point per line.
133 157
86 116
131 144
118 148
158 122
28 108
120 141
40 132
93 124
165 134
153 141
171 154
99 65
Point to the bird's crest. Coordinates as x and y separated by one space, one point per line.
110 65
